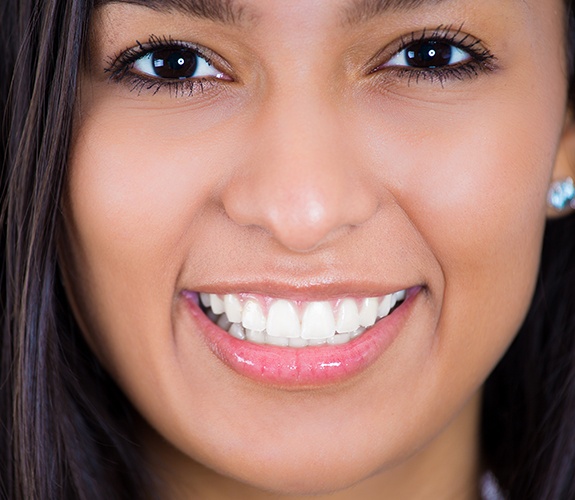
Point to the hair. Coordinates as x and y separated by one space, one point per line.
66 428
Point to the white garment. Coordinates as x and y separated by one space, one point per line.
490 489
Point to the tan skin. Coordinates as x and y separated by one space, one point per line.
300 171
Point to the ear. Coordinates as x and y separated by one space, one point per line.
565 162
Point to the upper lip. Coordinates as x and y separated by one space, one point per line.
305 291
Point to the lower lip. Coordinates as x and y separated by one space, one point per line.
301 367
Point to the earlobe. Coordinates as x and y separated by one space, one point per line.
561 195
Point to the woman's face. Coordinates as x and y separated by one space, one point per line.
311 155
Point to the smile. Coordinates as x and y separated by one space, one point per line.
287 323
298 343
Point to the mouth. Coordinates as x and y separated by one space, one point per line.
299 344
297 324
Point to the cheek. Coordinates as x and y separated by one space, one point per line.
473 181
133 199
484 216
479 197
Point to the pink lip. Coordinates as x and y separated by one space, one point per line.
310 366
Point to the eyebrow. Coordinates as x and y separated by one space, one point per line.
223 11
364 10
233 12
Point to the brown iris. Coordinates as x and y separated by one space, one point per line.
175 63
429 54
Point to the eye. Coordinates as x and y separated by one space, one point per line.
429 54
176 63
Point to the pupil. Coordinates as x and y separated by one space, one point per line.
175 64
429 54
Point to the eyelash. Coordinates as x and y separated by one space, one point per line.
482 60
119 67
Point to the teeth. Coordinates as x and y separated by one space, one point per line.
283 320
205 298
253 317
237 331
357 333
298 342
256 337
368 312
233 308
384 307
224 323
333 323
347 317
216 304
315 342
340 339
318 321
277 341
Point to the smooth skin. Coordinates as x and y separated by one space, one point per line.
300 171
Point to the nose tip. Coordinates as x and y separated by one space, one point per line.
301 207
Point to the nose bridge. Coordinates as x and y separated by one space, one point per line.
301 182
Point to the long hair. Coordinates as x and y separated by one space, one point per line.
65 427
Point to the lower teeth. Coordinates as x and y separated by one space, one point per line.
237 331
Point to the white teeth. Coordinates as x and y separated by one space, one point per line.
256 337
317 321
233 308
299 342
283 320
205 298
347 317
333 323
315 342
357 333
277 341
216 304
340 339
253 317
237 331
384 307
368 312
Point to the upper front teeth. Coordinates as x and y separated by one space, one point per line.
285 322
282 320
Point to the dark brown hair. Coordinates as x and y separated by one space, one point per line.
65 428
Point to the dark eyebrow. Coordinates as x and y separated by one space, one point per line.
223 11
232 12
363 10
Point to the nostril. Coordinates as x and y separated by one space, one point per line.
300 216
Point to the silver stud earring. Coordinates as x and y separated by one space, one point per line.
561 195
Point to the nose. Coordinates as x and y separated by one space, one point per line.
302 181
